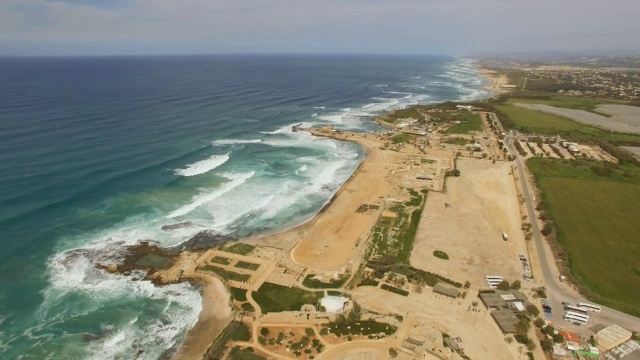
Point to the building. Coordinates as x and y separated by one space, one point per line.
505 300
506 320
611 336
447 291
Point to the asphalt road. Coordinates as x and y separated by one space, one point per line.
555 292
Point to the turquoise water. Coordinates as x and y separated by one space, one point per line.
98 153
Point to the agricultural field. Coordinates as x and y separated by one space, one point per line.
531 121
595 210
563 101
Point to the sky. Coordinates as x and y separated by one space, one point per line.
448 27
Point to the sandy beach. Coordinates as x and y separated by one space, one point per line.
496 79
216 314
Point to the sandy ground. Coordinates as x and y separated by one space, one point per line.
467 223
214 317
620 122
480 334
496 80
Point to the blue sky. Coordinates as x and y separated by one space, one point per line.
86 27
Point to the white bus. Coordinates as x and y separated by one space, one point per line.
589 307
576 317
577 309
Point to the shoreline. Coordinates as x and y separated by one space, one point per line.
292 239
215 316
497 81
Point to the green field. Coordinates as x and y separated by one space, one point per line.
531 121
227 275
277 298
239 248
564 101
469 122
596 218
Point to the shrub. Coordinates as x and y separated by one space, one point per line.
264 331
504 285
441 255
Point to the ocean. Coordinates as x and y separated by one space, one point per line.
101 152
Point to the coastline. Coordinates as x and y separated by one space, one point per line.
215 316
497 81
299 242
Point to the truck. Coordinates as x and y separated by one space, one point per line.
505 237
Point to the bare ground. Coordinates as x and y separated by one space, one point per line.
467 223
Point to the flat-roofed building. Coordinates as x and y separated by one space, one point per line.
506 320
441 289
612 336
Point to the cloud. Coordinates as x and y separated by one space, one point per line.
407 26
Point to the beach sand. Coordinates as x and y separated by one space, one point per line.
216 314
496 79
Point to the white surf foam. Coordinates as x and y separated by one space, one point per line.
314 114
203 166
236 180
318 107
74 271
235 141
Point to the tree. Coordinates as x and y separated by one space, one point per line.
504 285
522 327
467 284
549 330
547 345
539 323
393 352
516 285
531 345
533 310
557 338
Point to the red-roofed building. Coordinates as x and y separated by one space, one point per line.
570 338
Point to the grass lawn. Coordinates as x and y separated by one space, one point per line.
227 275
220 260
247 265
277 298
469 122
317 284
239 294
402 138
238 353
531 121
240 332
239 248
410 112
597 224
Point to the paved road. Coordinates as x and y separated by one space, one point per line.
556 294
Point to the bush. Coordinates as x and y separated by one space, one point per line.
441 255
533 310
547 345
504 285
309 332
557 338
394 290
539 323
264 331
393 352
516 285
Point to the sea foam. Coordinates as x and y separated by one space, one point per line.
236 180
203 166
